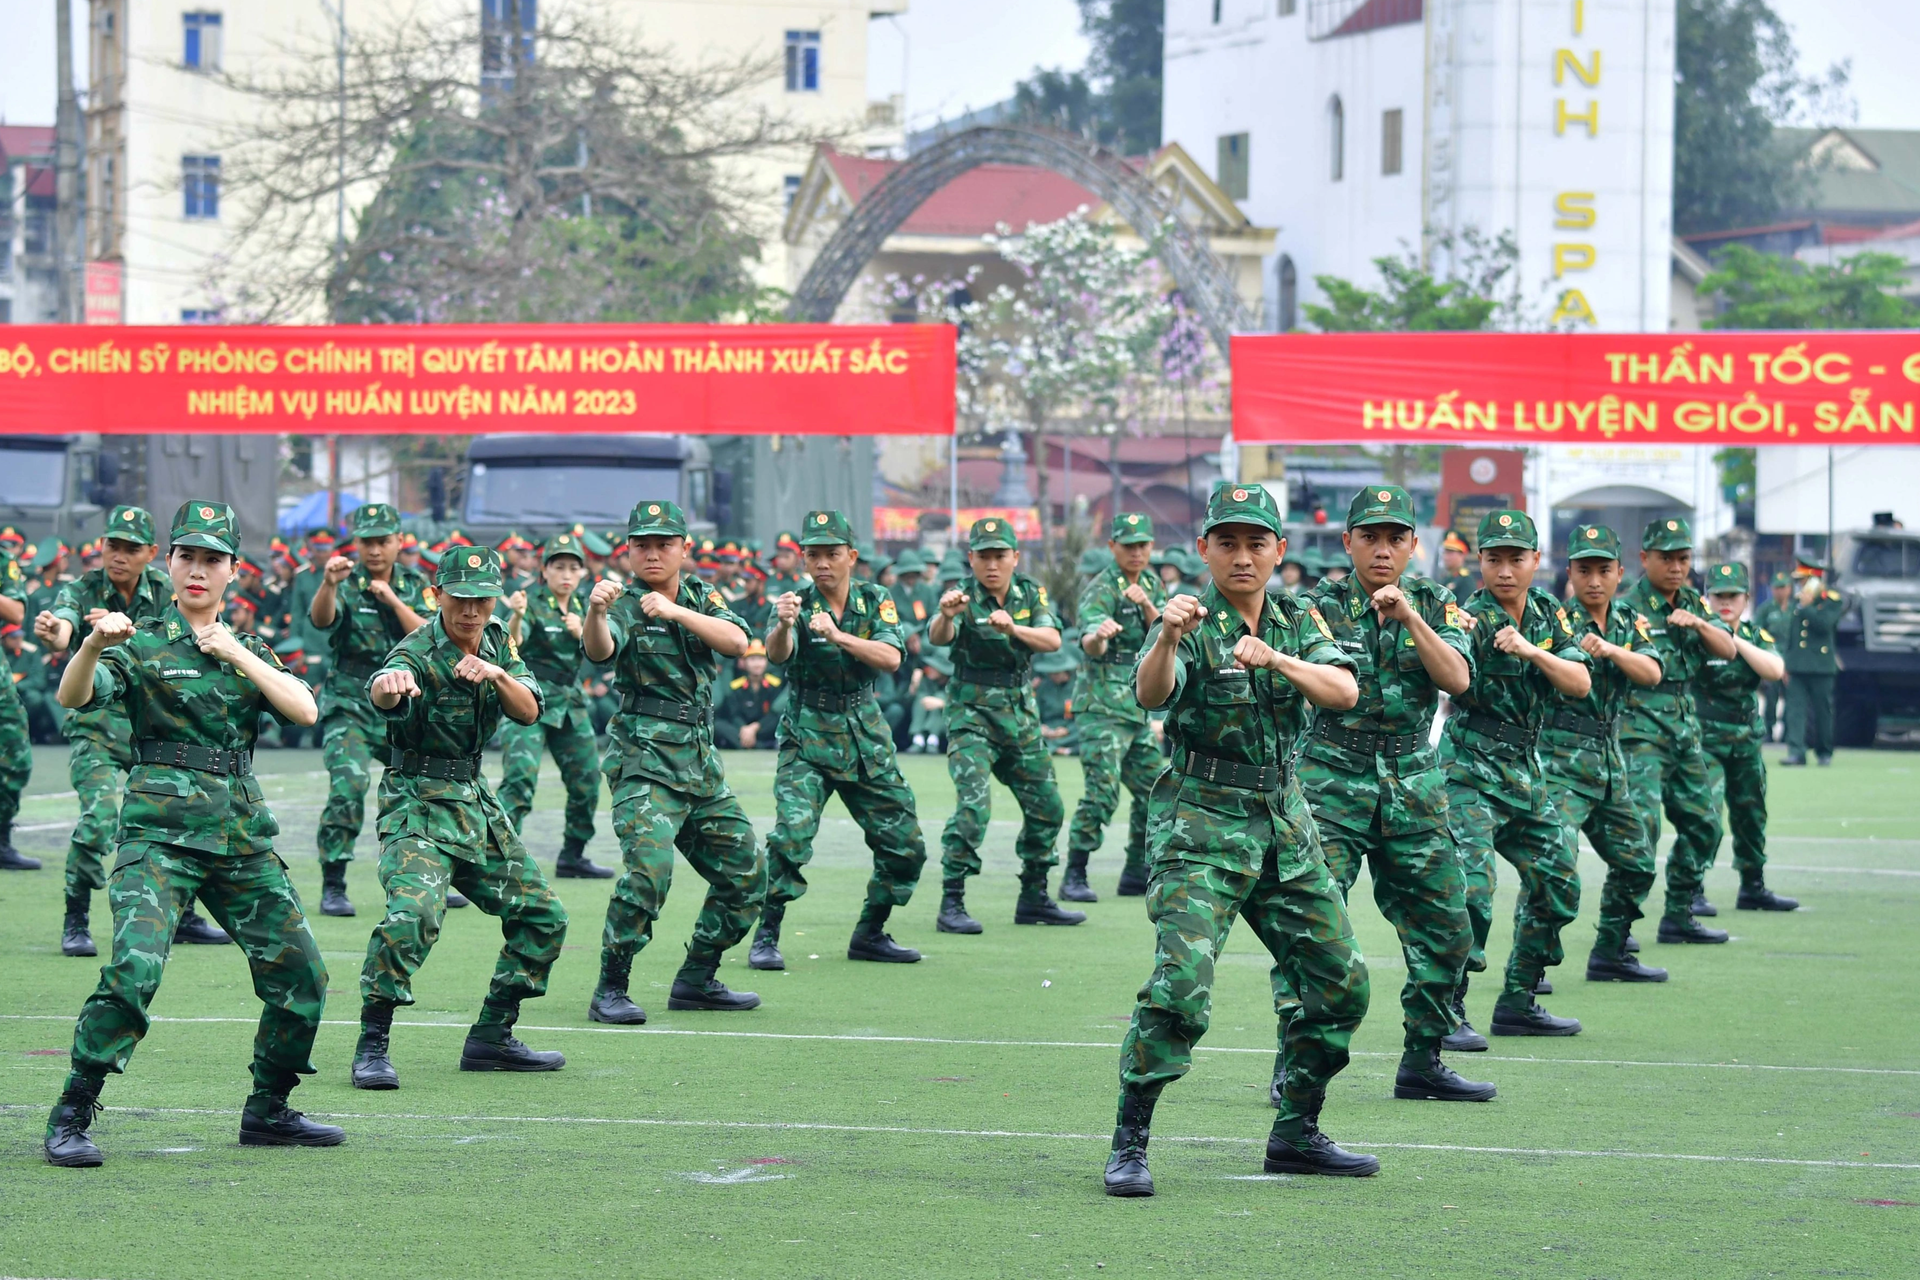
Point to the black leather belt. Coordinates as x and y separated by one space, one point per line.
1115 657
660 708
998 679
184 755
834 703
359 668
1499 730
1585 726
445 768
1724 715
1369 744
1229 773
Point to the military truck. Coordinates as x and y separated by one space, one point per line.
1878 690
56 486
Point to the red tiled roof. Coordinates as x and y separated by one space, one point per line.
41 182
977 201
23 141
1854 235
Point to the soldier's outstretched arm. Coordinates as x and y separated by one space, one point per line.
1768 666
287 692
76 685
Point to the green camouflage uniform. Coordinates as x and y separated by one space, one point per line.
1586 774
16 738
1666 768
1499 801
187 832
1773 619
353 733
1379 794
438 829
829 748
565 727
1731 734
993 728
669 791
1117 746
1218 851
101 737
1813 663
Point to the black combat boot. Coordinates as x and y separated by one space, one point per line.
11 859
75 939
267 1121
1465 1039
870 940
1073 885
198 931
1688 929
1632 947
333 890
1433 1079
491 1045
1133 883
1127 1173
1757 897
953 916
1035 907
1531 1019
372 1068
573 863
1298 1146
67 1142
1795 759
1544 987
1701 907
765 952
1620 966
696 987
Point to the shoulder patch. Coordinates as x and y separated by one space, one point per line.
1566 626
430 599
1455 618
739 682
1640 626
13 570
715 599
1765 634
888 613
860 603
1320 622
1043 597
773 682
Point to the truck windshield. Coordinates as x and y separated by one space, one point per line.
32 477
1889 559
594 492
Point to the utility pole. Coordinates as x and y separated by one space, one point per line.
66 171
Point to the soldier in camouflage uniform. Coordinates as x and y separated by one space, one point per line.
443 691
835 634
1523 653
1666 768
16 739
1117 747
1580 752
1731 734
1376 785
1229 833
101 737
992 628
195 822
364 610
546 620
665 637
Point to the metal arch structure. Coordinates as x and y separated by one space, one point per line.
1203 279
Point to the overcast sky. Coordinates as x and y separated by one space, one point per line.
961 53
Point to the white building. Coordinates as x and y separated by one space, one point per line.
29 286
156 115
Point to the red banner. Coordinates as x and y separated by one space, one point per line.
1543 388
695 379
902 524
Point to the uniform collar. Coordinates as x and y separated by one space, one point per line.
1218 606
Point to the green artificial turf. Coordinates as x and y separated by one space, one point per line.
1758 1115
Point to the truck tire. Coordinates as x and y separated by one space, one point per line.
1855 722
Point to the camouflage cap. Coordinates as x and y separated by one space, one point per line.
909 561
1382 504
1670 533
1131 526
131 524
1783 579
470 573
203 523
1727 580
594 544
656 520
1236 503
562 544
991 531
826 529
1092 561
1593 542
1507 528
375 520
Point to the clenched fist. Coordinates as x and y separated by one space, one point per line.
786 608
1181 617
605 592
111 629
476 670
338 567
953 602
1256 654
396 684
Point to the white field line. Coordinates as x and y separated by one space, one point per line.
799 1126
1018 1044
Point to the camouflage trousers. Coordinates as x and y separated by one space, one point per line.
351 739
574 751
92 763
1319 977
16 757
1006 746
1612 826
1671 777
251 898
1420 889
883 807
1113 754
416 875
1534 841
652 819
1737 781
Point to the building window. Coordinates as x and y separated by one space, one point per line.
1336 139
1216 12
199 315
500 53
200 180
1231 171
803 62
790 185
1289 278
200 50
1390 130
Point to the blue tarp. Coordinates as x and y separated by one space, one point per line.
311 513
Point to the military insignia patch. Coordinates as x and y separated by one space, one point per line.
1239 495
919 610
859 604
1646 632
715 599
891 615
1455 618
1565 625
1043 597
1765 634
1319 622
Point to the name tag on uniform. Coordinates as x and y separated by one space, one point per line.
370 612
180 673
1232 670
